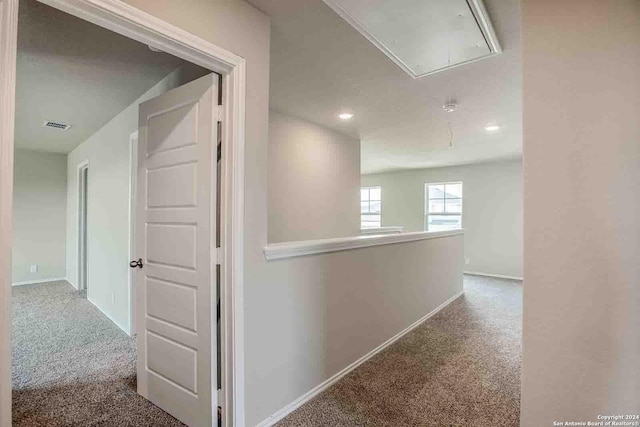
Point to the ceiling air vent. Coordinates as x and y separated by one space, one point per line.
56 125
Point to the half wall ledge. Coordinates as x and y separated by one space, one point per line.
276 251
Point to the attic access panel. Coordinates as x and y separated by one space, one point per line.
423 36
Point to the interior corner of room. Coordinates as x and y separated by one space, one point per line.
334 145
46 177
80 90
395 187
372 211
340 226
46 205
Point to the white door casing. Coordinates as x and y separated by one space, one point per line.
8 43
124 19
174 237
82 238
133 173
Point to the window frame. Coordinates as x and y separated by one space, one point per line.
427 199
369 188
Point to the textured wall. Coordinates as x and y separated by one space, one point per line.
280 367
492 209
108 152
314 181
581 200
39 215
331 309
237 26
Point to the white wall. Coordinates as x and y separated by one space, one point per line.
314 181
331 309
492 209
582 204
108 152
39 215
277 296
237 26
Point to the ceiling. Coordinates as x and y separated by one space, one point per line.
422 37
74 72
320 66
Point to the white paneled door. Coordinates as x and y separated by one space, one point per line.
173 249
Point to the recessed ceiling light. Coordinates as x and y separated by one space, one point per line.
345 116
491 128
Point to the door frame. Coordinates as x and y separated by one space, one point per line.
80 222
133 180
128 21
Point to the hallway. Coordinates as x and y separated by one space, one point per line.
72 365
459 368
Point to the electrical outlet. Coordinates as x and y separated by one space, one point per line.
33 269
467 260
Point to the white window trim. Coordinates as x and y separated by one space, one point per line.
426 203
371 187
381 230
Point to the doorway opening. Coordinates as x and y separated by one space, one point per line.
137 25
101 226
83 191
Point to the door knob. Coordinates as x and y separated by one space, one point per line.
134 263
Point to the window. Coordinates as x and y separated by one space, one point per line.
370 207
444 206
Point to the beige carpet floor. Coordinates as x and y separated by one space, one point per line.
72 366
459 368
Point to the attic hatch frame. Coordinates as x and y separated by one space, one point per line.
117 16
477 9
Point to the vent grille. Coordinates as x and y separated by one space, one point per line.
56 125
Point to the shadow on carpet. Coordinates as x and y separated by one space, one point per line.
459 368
71 365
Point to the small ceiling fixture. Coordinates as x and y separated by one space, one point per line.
56 125
491 128
155 49
450 107
345 116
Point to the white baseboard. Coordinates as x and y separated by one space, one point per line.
74 285
57 279
108 316
33 282
271 420
497 276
